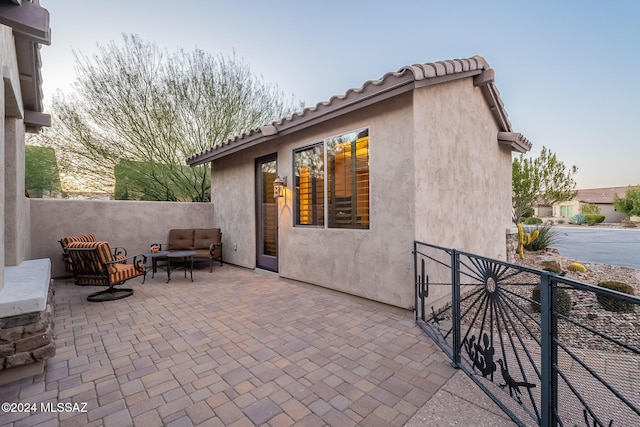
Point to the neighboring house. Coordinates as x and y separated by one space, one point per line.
601 197
24 283
541 211
414 155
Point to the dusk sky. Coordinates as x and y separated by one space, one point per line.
567 70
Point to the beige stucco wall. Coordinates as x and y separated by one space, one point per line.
374 263
16 230
437 173
463 176
10 129
557 211
610 213
130 224
2 192
606 209
232 192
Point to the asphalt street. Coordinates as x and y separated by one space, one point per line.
599 245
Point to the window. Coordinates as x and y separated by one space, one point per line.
344 197
566 211
309 176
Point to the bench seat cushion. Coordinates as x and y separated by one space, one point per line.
204 237
202 253
181 239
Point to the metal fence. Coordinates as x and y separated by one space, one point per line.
547 349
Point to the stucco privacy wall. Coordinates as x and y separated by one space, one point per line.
130 224
374 263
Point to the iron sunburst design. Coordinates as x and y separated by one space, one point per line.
506 327
491 308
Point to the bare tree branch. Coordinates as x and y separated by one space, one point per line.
137 103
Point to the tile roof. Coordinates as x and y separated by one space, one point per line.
391 84
600 195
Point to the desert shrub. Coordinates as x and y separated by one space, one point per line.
546 237
553 269
561 221
628 224
590 208
576 266
561 305
578 219
630 203
593 219
612 303
533 220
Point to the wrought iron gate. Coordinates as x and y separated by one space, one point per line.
548 350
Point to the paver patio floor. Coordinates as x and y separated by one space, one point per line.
234 348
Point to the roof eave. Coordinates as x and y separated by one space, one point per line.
389 85
516 141
30 26
370 93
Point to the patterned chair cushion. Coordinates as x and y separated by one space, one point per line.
65 241
81 238
103 252
122 272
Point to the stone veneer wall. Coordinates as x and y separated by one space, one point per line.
26 341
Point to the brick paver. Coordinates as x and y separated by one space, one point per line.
235 347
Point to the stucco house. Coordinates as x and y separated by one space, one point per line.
601 197
25 321
415 154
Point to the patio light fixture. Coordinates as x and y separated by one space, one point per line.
279 185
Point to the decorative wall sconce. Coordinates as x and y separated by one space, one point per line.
279 185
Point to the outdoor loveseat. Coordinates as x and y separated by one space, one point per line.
205 242
94 264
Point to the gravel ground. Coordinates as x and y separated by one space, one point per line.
585 308
595 272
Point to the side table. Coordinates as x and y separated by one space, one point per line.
154 262
187 260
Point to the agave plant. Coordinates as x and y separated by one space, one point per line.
578 219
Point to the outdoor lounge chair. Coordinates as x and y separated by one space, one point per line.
119 253
94 264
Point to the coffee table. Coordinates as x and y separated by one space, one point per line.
154 262
187 261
